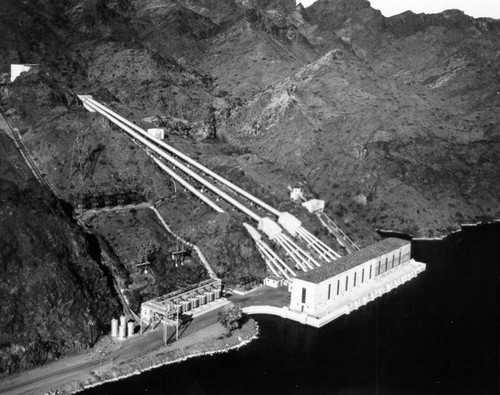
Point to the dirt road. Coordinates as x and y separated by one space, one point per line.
76 369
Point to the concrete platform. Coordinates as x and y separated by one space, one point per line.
216 304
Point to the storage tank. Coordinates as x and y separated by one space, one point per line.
210 296
186 306
114 327
177 308
130 328
123 321
217 293
203 299
122 332
194 302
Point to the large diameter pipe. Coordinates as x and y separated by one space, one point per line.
277 261
179 154
322 249
199 166
267 260
290 250
188 186
178 164
265 249
303 256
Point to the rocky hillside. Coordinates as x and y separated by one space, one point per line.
393 121
55 291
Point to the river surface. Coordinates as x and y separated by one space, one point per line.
438 334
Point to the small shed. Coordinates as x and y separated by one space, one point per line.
157 132
296 194
17 69
273 282
314 205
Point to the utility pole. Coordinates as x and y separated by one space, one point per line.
165 331
177 326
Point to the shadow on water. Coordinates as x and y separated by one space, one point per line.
438 334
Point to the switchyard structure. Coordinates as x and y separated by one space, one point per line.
167 308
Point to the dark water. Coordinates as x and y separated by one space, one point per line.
438 334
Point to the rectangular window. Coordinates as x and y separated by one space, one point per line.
329 290
399 263
363 275
370 276
386 261
392 261
354 284
346 282
303 295
406 254
338 286
378 268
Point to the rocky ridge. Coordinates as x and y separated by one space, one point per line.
55 290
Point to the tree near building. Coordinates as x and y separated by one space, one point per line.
231 317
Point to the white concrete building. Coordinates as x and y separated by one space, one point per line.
314 205
296 194
273 282
157 132
317 292
17 69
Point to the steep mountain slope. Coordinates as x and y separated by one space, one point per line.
350 139
56 294
81 155
255 51
393 121
450 61
398 113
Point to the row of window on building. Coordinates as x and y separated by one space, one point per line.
365 274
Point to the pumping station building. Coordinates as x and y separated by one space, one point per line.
321 295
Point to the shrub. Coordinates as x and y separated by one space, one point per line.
231 317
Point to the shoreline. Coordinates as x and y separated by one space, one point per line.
404 235
145 354
242 342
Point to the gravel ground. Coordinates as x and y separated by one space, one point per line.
110 361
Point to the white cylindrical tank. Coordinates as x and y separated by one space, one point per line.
203 299
130 328
123 321
210 296
114 327
194 302
122 332
186 306
217 293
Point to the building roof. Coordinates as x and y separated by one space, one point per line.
274 278
329 270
